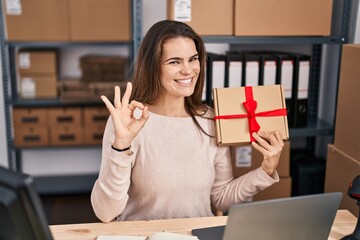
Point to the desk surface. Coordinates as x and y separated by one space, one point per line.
344 224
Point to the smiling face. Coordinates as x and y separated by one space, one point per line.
180 68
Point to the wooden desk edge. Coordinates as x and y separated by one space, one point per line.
344 224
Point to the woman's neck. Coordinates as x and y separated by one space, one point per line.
169 108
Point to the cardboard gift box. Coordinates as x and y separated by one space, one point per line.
265 111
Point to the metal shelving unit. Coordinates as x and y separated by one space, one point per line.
72 184
52 184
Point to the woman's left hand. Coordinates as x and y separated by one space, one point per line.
270 144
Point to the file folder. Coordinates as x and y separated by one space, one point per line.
301 89
267 69
233 70
215 74
251 68
284 76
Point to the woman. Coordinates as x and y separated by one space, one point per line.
165 163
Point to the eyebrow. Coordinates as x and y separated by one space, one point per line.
178 58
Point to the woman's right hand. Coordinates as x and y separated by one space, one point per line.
126 126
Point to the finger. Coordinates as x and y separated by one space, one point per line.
127 95
144 116
262 150
261 141
279 138
135 104
117 102
107 102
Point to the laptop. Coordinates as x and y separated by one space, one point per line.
303 217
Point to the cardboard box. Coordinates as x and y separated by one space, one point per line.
66 116
205 17
43 62
283 18
31 136
341 169
282 189
95 116
347 134
106 20
66 135
246 158
29 117
229 102
38 86
40 20
93 135
73 90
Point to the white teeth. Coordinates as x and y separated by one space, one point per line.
187 81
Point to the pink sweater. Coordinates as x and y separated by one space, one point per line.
174 172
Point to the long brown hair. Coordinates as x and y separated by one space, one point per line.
147 73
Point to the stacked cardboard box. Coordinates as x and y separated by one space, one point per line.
97 68
65 126
68 20
38 73
205 17
95 119
254 17
30 127
343 160
69 126
247 158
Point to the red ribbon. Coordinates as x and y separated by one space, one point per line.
250 105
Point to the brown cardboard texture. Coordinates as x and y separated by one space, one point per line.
66 135
40 20
247 158
29 117
38 86
93 135
66 116
93 20
96 116
43 62
347 132
31 136
207 17
282 189
229 101
282 18
341 169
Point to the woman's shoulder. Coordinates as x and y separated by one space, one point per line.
207 112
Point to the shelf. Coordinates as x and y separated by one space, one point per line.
67 184
315 128
44 45
273 40
54 103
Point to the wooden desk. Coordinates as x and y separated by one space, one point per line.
344 224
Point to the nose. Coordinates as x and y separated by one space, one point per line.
186 69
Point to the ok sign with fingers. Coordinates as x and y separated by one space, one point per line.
126 126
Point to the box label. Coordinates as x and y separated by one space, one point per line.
182 10
24 61
13 7
243 156
28 87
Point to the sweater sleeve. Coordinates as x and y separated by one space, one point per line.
110 191
227 191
